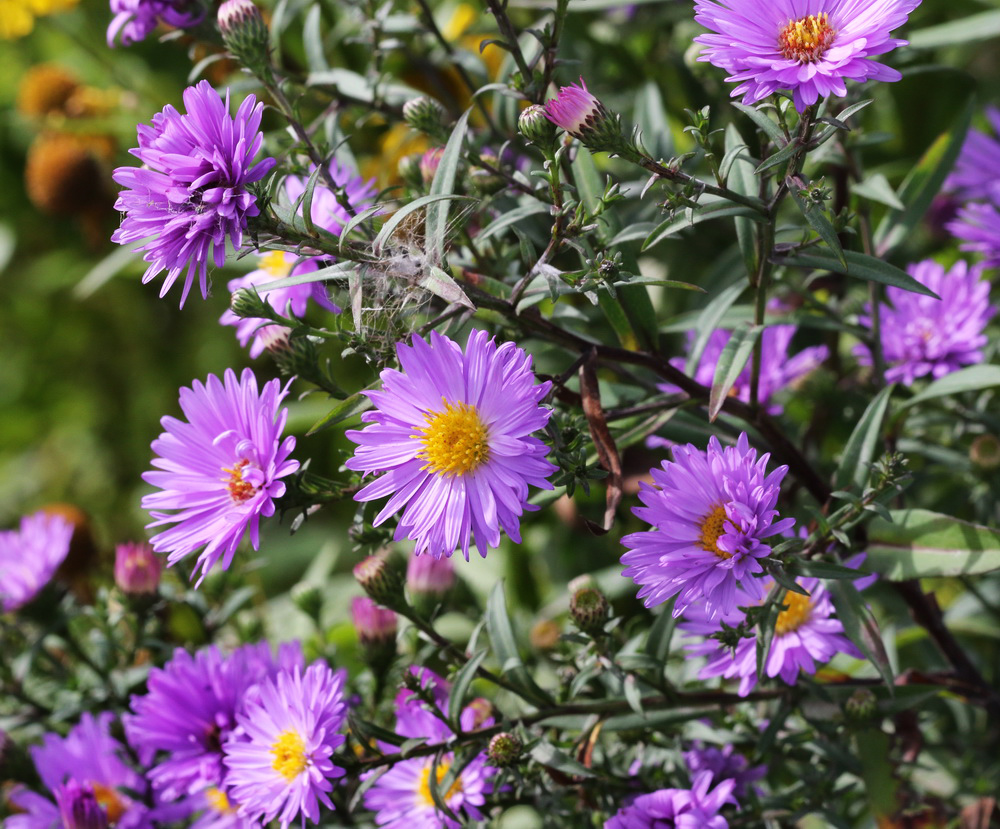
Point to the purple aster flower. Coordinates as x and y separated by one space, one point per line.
710 511
30 556
808 46
191 193
220 470
84 766
976 176
979 226
189 712
724 764
402 796
452 435
694 808
923 335
279 764
806 633
135 19
777 370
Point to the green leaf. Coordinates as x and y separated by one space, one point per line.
661 632
972 378
312 39
877 188
874 750
858 266
396 218
505 647
923 183
731 362
339 270
511 217
708 320
707 209
550 756
742 180
816 216
356 220
971 29
444 184
460 687
780 157
821 569
440 283
769 127
918 543
855 462
587 179
353 405
860 626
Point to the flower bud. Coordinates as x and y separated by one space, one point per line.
409 170
425 115
584 117
376 625
985 452
245 34
137 569
79 808
861 706
379 580
246 303
309 599
483 179
429 576
504 749
429 163
535 127
589 609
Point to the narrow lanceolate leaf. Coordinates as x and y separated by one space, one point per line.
444 184
709 319
769 127
707 209
743 181
923 183
918 543
460 687
353 405
505 648
731 362
877 188
662 631
439 283
973 378
859 266
393 222
855 463
816 217
860 625
971 29
337 271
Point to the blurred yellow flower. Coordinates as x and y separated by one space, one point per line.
17 17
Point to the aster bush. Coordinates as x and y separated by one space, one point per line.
620 445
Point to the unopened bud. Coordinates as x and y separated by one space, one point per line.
379 580
429 163
861 706
137 569
504 749
426 575
589 609
245 34
246 303
577 583
535 126
483 178
985 452
425 115
584 117
309 599
409 170
79 808
375 625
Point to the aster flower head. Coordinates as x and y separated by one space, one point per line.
806 634
220 470
807 46
192 193
135 19
576 110
977 225
452 435
711 512
694 808
82 770
189 712
724 764
279 765
923 335
30 556
777 370
976 176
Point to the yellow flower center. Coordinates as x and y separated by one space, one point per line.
424 790
455 441
713 526
276 264
218 801
806 39
239 490
798 609
289 755
109 799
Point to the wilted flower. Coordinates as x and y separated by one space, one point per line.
426 575
192 193
806 633
978 226
710 511
30 556
694 808
189 712
137 569
976 175
452 434
279 765
85 765
777 370
767 46
220 471
135 19
924 335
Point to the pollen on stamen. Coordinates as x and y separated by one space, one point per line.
239 490
289 752
713 526
455 441
807 39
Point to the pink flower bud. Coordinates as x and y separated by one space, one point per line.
426 575
137 569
